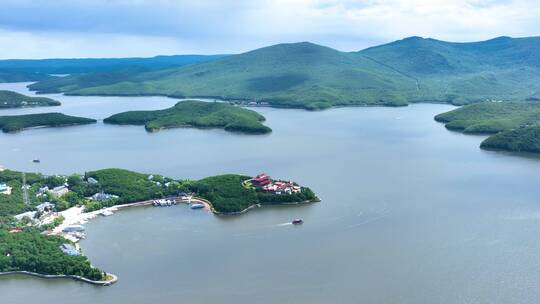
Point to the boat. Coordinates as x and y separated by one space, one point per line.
196 206
73 228
79 235
36 160
106 213
297 221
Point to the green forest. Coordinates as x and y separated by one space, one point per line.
514 125
17 123
32 251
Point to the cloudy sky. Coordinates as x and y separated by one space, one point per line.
122 28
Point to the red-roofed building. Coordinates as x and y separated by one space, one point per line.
261 180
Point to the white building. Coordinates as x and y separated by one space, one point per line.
5 189
59 191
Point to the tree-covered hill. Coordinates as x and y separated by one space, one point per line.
310 76
515 125
526 139
491 117
502 68
302 75
198 114
10 99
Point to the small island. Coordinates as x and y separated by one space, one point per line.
514 125
16 123
41 237
196 114
10 99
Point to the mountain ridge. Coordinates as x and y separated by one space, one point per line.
311 76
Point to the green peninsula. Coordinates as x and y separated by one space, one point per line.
17 123
525 139
229 194
33 234
197 114
515 125
10 99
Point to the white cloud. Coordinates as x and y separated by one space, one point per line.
77 28
18 44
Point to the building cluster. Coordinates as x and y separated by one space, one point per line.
251 103
265 183
56 191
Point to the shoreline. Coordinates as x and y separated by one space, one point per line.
46 126
218 213
76 216
113 279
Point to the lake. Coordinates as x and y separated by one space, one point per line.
410 212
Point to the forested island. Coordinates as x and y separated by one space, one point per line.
310 76
197 114
28 244
515 125
16 123
10 99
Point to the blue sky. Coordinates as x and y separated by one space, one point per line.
121 28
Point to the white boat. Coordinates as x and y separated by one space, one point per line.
106 213
196 206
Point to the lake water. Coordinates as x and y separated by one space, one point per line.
410 212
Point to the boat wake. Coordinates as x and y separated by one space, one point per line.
283 224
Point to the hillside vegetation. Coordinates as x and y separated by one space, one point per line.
13 70
17 123
525 139
491 117
31 251
306 75
8 75
10 99
302 75
516 125
193 113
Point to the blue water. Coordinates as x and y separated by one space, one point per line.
410 212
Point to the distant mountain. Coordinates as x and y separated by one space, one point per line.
311 76
503 68
20 76
288 75
39 68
